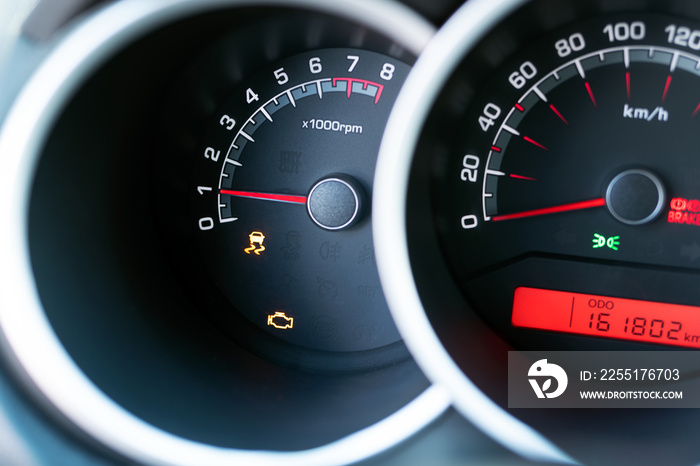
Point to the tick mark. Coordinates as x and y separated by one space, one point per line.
532 141
697 110
590 93
668 84
521 177
558 113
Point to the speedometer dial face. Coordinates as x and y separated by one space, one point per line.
546 161
280 194
577 171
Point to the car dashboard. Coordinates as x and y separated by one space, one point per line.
291 232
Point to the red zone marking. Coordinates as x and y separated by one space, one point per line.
668 84
558 113
521 177
697 110
266 196
365 83
629 88
600 202
590 93
532 141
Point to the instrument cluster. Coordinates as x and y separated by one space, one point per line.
295 232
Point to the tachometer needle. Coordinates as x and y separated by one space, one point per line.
600 202
266 196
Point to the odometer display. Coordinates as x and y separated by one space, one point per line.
608 317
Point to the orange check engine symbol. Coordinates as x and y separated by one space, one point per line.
256 243
280 320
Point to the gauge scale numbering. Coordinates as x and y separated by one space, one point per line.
579 161
280 198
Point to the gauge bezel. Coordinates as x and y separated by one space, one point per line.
30 344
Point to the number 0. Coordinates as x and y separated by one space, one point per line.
469 222
206 223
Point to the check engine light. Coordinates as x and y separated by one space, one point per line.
280 320
607 317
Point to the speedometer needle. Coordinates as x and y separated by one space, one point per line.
600 202
266 196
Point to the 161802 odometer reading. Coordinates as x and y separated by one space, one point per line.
607 317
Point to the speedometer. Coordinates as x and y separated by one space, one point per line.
542 159
575 164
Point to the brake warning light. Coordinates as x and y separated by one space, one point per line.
684 211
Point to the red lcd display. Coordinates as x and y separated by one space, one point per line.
607 317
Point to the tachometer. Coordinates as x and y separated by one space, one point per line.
136 122
279 198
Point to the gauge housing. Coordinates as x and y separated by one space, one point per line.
460 338
95 319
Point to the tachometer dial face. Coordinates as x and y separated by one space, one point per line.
280 198
576 170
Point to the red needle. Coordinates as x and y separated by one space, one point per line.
266 196
600 202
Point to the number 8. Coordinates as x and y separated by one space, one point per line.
387 71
